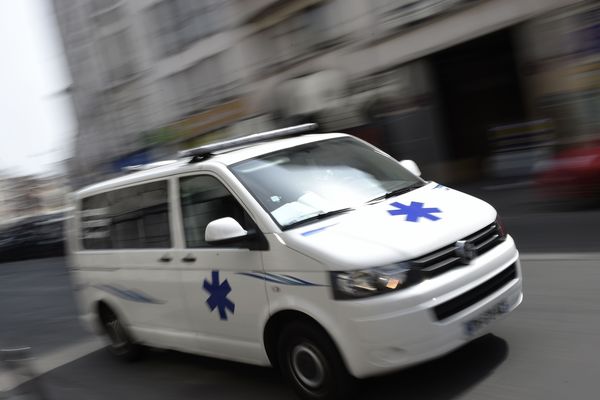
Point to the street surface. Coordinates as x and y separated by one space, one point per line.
548 349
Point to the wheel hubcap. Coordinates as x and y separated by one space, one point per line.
308 366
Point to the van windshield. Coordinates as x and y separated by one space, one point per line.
321 179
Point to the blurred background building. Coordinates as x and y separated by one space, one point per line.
32 214
467 88
26 196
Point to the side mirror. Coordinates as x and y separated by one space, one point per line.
224 230
411 166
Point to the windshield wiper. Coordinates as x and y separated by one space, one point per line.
316 217
396 192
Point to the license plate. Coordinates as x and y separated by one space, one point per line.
475 325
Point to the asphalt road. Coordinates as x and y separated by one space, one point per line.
36 306
548 349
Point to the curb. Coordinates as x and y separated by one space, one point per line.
10 380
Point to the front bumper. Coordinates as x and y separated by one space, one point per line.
384 335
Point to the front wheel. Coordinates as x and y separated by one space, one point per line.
121 345
311 363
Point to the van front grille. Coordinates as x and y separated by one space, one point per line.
444 259
465 300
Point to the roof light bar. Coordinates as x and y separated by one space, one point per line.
206 150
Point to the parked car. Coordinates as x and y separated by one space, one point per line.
33 237
573 174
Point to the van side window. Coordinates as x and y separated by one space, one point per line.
129 218
204 199
95 223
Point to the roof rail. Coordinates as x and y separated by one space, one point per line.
143 167
202 152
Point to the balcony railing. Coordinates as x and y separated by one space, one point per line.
395 15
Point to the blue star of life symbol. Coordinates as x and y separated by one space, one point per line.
218 295
414 211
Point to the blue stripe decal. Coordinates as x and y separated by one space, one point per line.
129 294
260 276
321 229
267 277
281 279
301 281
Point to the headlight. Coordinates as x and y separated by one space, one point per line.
373 281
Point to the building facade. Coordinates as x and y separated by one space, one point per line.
424 79
30 196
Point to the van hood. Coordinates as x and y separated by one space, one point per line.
396 229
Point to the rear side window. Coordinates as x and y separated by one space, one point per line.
95 223
131 218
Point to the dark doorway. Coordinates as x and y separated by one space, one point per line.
478 88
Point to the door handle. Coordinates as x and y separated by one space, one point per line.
165 258
188 258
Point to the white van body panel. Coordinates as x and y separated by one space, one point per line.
232 332
371 236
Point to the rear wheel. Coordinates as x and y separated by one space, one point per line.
311 363
121 344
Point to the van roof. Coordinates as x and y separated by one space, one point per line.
227 156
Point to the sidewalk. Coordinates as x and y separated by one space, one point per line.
16 369
20 372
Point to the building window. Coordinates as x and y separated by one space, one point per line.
298 35
74 27
116 53
99 6
328 22
198 86
125 113
130 218
108 17
179 23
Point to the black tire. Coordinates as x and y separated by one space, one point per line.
311 364
122 346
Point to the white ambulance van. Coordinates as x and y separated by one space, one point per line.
314 253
